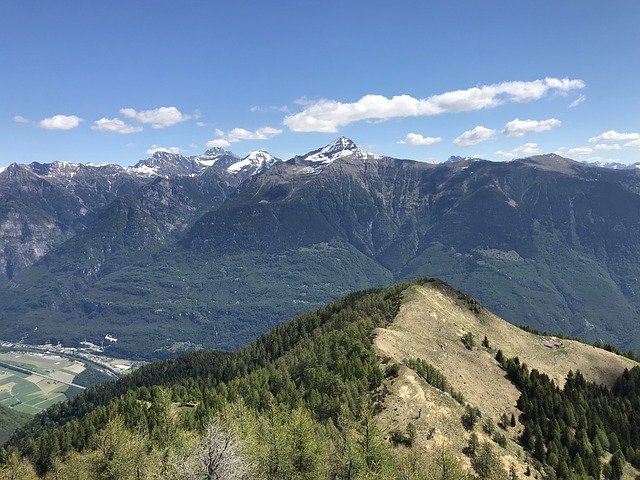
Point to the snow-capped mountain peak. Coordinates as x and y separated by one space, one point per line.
214 154
165 164
253 163
613 165
340 148
341 144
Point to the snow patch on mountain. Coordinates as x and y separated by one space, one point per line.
207 162
343 147
143 170
211 156
169 164
614 165
313 162
255 162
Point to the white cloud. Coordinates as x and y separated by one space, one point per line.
239 134
419 139
158 118
218 142
613 136
607 146
519 128
634 143
580 151
473 137
263 133
574 151
270 108
526 149
578 101
155 148
201 124
329 115
60 122
20 119
114 125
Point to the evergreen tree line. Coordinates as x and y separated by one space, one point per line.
574 428
433 377
241 443
323 362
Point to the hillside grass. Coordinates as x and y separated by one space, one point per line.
430 325
432 321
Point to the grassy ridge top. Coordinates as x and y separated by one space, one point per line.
434 323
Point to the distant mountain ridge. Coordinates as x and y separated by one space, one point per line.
226 164
199 260
42 204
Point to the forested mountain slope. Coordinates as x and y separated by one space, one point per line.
404 382
10 420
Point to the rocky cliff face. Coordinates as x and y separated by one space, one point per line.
42 205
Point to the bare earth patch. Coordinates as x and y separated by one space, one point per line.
7 387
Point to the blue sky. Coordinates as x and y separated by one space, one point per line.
110 81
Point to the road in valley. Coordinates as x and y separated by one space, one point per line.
31 372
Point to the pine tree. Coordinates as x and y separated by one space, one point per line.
305 447
470 417
538 446
445 465
17 468
347 463
472 446
617 465
120 453
372 445
487 464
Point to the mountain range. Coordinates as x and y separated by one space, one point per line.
213 250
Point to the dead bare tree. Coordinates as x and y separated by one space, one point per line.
217 456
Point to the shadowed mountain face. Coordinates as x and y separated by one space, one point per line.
41 205
44 204
544 241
